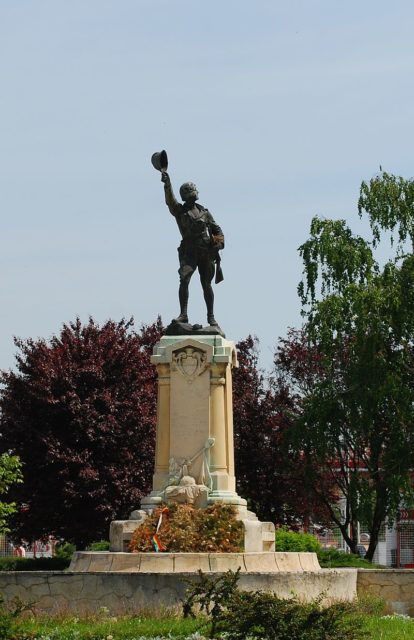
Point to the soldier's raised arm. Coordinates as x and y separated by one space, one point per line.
170 199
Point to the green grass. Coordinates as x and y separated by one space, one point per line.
168 625
389 628
129 628
99 628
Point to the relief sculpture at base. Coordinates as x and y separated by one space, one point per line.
182 487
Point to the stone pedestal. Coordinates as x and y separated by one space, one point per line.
195 422
194 456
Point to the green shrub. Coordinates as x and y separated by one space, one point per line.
65 550
294 541
101 545
263 615
242 614
33 564
210 596
330 558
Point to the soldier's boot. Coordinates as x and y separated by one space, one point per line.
183 317
183 298
209 298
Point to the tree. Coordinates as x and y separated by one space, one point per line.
357 420
80 412
389 202
10 473
269 473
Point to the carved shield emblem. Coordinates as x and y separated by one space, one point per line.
190 362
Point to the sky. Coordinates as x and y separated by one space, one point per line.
276 110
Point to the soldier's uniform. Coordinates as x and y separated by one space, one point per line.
201 240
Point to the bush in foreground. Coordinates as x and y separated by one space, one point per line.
256 614
263 615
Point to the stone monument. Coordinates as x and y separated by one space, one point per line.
194 458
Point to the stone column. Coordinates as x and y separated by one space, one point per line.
162 443
195 417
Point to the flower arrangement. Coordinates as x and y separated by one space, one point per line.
186 529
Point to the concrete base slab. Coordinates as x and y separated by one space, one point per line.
270 562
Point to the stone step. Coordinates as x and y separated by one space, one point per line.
269 562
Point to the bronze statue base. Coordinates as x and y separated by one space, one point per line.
186 329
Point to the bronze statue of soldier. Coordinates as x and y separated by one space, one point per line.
202 238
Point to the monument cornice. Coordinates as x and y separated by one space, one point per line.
218 350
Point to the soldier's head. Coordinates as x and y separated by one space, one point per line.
188 192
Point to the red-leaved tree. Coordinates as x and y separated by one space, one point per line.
269 472
80 411
298 370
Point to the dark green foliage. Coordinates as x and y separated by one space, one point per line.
263 615
389 202
241 614
65 550
295 541
335 256
211 596
34 564
101 545
355 417
10 473
329 558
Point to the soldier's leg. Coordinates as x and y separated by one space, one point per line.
185 271
206 268
209 298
